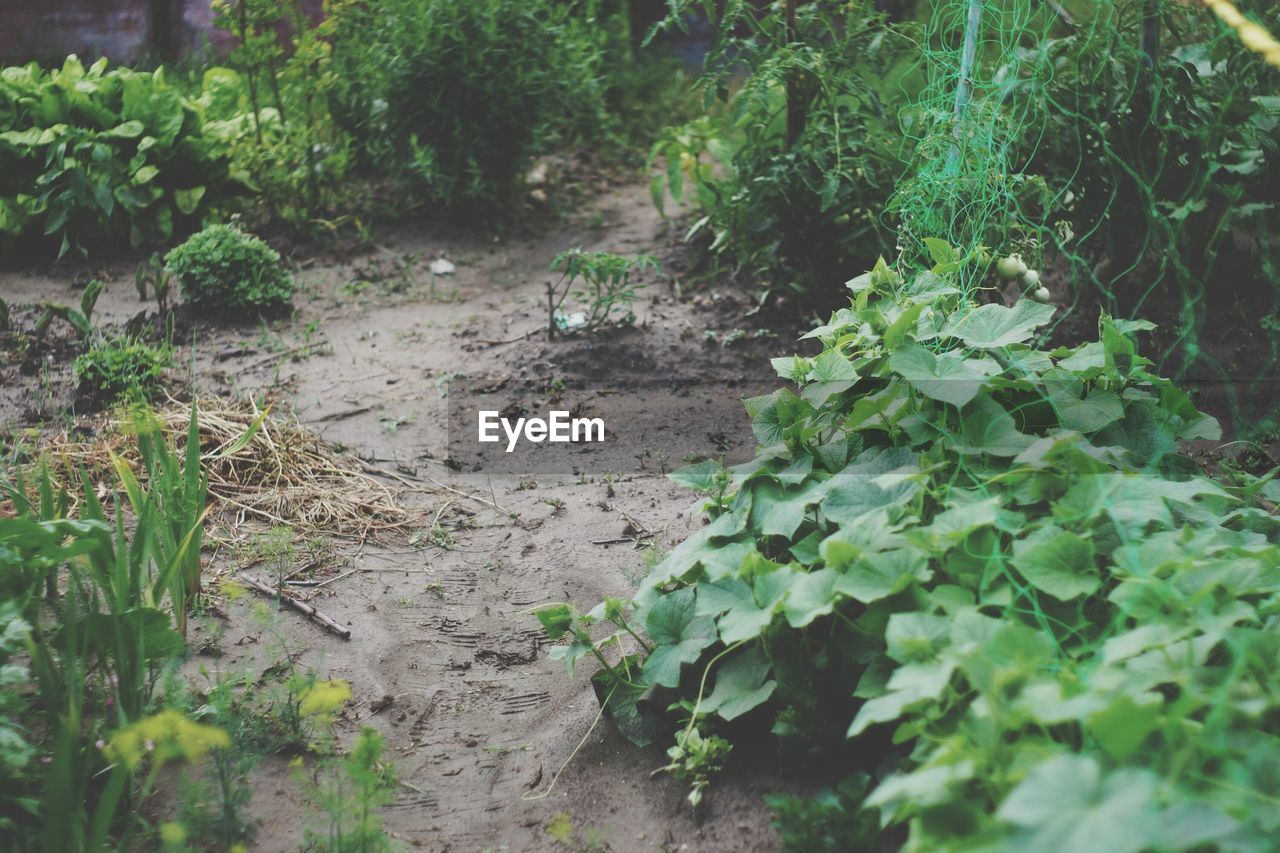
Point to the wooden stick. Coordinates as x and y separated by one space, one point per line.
318 584
298 605
468 495
278 357
344 414
524 337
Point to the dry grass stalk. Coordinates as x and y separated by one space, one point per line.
284 475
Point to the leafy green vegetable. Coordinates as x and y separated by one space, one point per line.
93 157
679 635
989 566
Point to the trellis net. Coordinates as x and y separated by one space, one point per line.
1127 148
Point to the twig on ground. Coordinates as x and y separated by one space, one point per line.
277 357
524 337
344 414
301 606
468 495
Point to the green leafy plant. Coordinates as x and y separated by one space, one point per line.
1153 157
271 110
172 502
695 759
17 800
80 319
105 601
606 286
288 708
93 665
122 367
463 95
793 178
828 822
95 156
985 569
216 804
222 269
152 276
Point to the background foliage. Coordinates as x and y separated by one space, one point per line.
462 96
1126 147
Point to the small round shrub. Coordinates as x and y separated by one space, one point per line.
122 367
222 269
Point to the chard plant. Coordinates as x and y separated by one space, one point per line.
982 573
96 156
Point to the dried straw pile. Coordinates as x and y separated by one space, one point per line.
284 475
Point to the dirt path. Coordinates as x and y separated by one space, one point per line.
481 718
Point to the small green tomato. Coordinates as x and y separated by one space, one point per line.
1010 267
1041 294
1031 278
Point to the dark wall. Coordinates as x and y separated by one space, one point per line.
122 30
48 30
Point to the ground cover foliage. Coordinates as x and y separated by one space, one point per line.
98 587
318 124
981 573
221 269
792 175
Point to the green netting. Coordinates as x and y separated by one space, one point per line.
1123 146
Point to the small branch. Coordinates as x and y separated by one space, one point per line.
277 357
469 496
301 606
305 567
318 584
524 337
238 352
344 414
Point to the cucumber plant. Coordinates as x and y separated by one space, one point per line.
980 572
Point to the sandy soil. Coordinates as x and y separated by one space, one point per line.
481 719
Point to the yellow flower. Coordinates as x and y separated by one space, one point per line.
232 590
164 736
173 833
325 696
